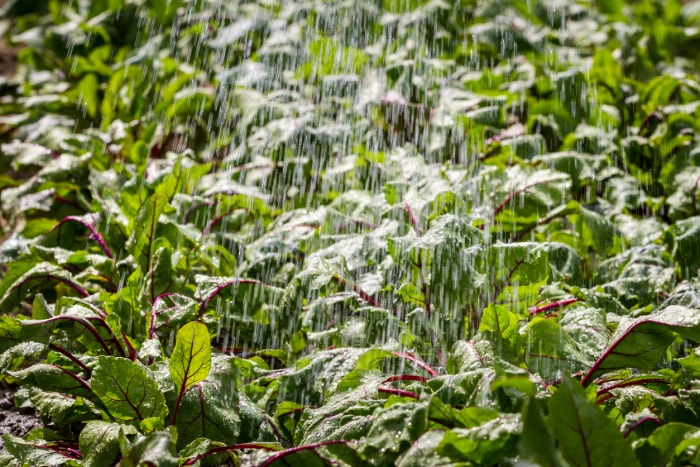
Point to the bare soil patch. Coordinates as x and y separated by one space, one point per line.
8 59
15 421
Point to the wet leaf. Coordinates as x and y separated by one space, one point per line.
642 343
99 442
585 435
128 393
190 361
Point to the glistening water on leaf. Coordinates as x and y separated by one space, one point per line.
190 361
347 233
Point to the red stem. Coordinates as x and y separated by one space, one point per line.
67 282
270 460
71 357
585 381
399 392
221 287
231 447
363 295
177 404
360 222
639 422
418 362
550 306
391 379
86 324
94 234
631 382
84 384
412 218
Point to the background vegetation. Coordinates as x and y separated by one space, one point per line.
352 232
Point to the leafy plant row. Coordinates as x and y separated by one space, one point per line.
357 233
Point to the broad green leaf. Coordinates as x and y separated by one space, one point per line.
658 449
343 416
425 451
35 454
642 343
155 449
585 435
128 393
10 332
499 321
393 430
595 231
163 273
485 444
451 417
62 409
210 411
190 361
190 103
87 94
143 236
588 329
99 442
500 326
41 276
173 311
330 452
490 443
537 443
549 350
50 378
684 238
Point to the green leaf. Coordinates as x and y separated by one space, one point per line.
127 392
585 435
500 326
191 359
87 94
343 416
157 449
61 408
34 454
315 455
393 430
537 444
659 448
684 238
489 443
99 442
500 321
551 351
588 329
485 444
425 451
50 378
41 276
642 343
190 103
143 236
209 411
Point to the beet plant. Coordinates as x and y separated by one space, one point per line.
358 233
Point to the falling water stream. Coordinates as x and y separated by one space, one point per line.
402 221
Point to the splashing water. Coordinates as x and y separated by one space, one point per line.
401 222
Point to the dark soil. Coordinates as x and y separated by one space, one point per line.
8 59
8 55
13 420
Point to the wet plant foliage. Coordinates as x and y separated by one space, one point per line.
397 232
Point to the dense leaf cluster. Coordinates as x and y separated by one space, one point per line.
397 232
